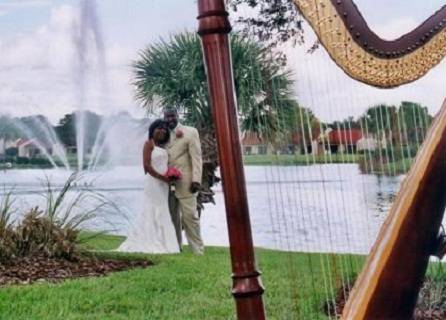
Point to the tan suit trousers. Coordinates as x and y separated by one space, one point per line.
184 214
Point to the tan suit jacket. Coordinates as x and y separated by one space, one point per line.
185 155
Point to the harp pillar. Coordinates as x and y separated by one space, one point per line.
214 28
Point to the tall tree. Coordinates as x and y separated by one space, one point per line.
381 121
66 129
347 123
415 121
7 130
275 21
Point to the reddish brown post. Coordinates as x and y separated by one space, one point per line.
214 28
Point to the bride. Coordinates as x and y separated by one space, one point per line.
152 230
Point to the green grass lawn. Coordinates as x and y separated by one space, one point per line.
182 286
297 159
185 286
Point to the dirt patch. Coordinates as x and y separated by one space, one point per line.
334 308
39 269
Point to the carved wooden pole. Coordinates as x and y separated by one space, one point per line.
214 28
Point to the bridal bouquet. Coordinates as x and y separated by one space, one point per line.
173 174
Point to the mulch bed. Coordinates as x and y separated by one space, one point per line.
40 269
429 315
331 309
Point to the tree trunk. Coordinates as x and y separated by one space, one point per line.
210 164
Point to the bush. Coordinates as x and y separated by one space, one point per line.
22 160
9 159
8 247
7 239
52 232
432 300
40 161
405 152
38 235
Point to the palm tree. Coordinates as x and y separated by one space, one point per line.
172 73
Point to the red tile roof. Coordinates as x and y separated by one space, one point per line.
297 137
251 139
349 136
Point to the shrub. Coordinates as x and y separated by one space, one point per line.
7 240
432 300
52 232
38 235
22 160
40 161
405 152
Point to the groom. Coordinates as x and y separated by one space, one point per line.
184 151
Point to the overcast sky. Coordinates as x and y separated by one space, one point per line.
39 69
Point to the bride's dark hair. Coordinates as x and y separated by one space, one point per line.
159 123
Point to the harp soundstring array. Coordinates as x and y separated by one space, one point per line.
336 271
332 275
299 221
345 261
273 191
278 225
331 267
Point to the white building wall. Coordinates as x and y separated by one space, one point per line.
366 144
22 151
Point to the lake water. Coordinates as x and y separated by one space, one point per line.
299 208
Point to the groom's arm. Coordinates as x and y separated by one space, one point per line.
195 154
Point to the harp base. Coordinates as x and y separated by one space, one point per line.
247 285
247 290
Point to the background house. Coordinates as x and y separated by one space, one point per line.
252 144
6 144
307 144
31 148
366 143
341 140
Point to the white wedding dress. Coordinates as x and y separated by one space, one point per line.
152 230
